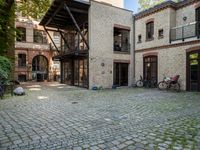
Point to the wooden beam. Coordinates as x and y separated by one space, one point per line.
52 16
61 33
51 39
75 23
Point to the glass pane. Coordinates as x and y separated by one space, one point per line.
194 56
194 75
153 71
153 59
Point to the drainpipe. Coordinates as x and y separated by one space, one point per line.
134 47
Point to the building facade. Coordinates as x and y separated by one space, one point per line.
33 53
167 42
97 43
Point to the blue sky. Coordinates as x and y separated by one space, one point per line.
132 5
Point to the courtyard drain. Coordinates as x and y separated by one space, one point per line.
74 102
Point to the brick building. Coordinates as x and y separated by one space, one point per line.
167 42
97 42
34 52
104 45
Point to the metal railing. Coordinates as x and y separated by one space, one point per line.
122 47
184 32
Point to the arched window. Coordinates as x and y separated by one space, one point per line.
40 68
149 30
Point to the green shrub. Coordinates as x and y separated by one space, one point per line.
5 68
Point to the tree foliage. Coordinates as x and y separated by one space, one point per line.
145 4
5 68
34 8
7 29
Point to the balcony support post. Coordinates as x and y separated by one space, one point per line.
62 36
51 39
76 24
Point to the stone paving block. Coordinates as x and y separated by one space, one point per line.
122 119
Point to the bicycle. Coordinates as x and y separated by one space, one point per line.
140 82
169 83
146 83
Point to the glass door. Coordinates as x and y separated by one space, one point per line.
121 74
80 73
194 71
150 68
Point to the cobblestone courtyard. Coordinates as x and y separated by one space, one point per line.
57 116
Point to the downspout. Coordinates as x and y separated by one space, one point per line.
134 48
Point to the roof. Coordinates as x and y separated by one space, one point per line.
58 17
167 4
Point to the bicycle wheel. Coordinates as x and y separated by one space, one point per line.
177 87
162 85
139 83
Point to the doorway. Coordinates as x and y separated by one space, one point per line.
150 68
193 71
40 68
121 74
80 73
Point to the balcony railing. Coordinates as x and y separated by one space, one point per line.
123 47
191 30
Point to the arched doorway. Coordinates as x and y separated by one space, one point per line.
193 71
150 67
40 68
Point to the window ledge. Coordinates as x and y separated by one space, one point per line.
139 42
160 37
122 52
23 67
148 40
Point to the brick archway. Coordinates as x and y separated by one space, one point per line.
40 68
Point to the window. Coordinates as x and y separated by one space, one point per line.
21 34
22 78
140 38
21 60
121 40
150 30
40 36
160 33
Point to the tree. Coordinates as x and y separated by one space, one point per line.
5 68
7 15
34 8
145 4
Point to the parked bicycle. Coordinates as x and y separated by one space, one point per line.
146 83
170 83
4 86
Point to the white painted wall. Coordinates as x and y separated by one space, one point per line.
117 3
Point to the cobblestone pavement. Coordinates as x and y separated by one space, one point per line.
55 116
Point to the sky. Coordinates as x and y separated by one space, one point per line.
132 5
